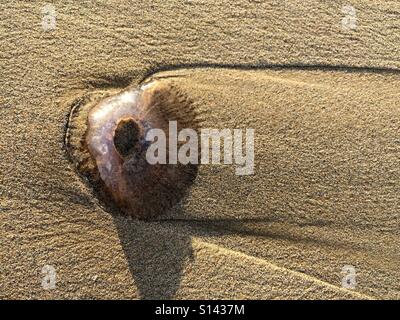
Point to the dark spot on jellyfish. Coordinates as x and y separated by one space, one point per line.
127 137
105 140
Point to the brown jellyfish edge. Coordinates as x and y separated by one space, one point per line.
173 104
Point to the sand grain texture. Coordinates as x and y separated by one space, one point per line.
287 231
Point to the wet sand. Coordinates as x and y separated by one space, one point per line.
326 187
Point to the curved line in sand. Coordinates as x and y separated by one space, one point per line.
265 66
283 269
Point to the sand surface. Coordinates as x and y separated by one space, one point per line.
326 188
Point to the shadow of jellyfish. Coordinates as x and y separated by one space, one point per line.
156 257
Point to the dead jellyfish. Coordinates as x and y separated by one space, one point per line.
106 141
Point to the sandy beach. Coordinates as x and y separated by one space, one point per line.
322 97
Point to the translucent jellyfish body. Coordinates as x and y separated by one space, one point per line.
106 141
